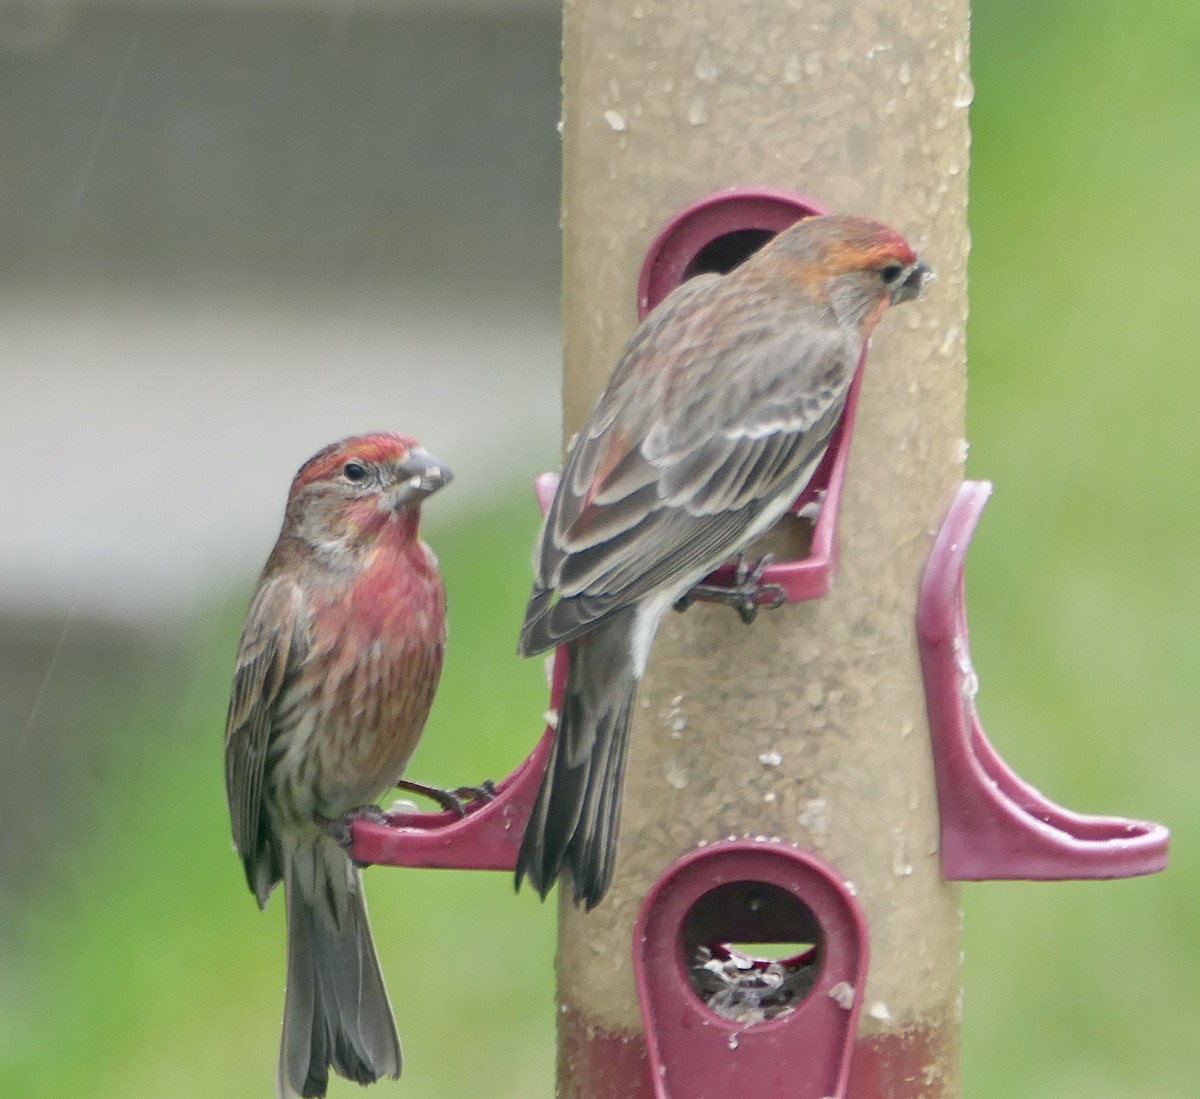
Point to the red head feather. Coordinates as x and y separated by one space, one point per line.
379 446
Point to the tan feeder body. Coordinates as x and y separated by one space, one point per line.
808 725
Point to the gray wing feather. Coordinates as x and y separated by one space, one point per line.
264 651
702 461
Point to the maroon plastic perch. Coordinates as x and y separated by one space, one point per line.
749 891
994 825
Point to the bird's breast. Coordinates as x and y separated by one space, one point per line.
374 660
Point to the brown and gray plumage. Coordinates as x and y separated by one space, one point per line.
715 417
337 667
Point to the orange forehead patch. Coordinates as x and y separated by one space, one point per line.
379 446
877 249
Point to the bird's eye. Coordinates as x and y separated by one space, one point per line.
891 273
354 472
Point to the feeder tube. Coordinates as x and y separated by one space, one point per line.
810 724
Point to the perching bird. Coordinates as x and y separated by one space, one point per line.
715 418
337 667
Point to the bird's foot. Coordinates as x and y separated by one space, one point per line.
460 800
745 595
338 828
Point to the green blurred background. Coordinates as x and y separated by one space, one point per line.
132 960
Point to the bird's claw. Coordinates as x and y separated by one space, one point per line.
338 828
745 595
475 796
750 593
684 601
459 801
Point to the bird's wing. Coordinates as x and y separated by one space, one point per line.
267 645
655 489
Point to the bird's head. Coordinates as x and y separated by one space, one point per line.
353 490
856 265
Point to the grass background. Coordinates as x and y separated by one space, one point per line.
138 967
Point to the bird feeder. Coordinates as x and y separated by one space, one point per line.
819 780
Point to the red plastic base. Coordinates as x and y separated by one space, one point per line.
895 1066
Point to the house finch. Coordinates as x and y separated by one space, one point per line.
336 670
715 418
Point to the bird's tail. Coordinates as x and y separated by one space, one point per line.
335 1012
575 818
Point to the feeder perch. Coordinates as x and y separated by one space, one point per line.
994 825
749 891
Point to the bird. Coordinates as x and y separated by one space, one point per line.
713 421
336 671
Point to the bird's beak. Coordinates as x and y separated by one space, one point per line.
916 281
420 475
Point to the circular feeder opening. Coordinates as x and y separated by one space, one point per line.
724 253
716 234
752 951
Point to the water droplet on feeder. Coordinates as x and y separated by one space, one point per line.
964 91
698 111
842 994
615 120
901 866
814 816
707 71
879 1010
675 774
733 1041
904 74
770 759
